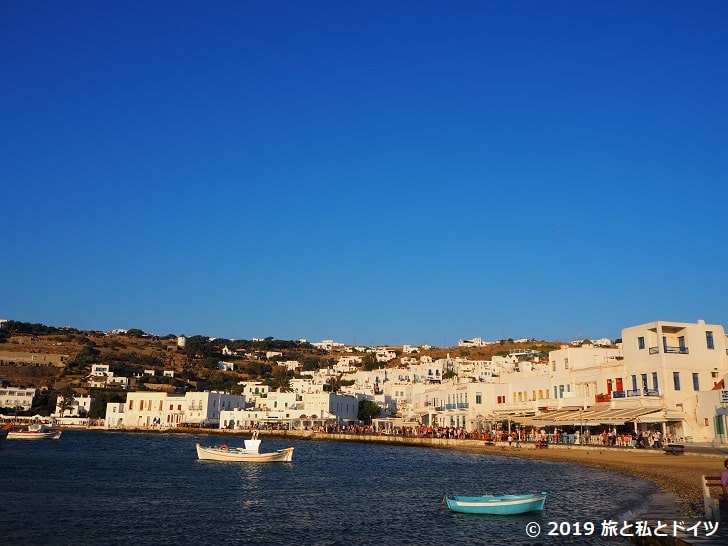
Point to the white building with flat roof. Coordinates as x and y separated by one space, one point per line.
79 407
15 397
294 411
150 409
114 417
674 365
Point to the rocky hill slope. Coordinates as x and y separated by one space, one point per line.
51 360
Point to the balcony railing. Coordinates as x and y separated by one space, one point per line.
643 392
670 349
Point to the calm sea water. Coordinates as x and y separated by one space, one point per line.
124 488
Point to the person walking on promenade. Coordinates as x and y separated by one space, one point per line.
724 478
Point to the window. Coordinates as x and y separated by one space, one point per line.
709 340
696 381
676 380
655 384
131 404
641 342
634 382
478 398
141 405
566 363
553 365
644 383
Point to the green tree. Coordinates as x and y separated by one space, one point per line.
280 379
311 364
100 398
369 362
335 383
85 357
367 411
66 398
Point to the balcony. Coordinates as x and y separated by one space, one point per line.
670 349
644 392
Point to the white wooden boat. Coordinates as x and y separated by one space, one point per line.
36 431
250 453
497 504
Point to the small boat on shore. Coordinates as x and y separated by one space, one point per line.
250 453
35 431
497 504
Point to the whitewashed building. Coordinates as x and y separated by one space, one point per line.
294 412
579 374
14 397
149 409
675 365
114 417
79 407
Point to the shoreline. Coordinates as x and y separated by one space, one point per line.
680 475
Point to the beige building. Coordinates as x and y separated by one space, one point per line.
675 363
663 378
148 409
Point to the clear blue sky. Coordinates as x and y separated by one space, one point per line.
372 172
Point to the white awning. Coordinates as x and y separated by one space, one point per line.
594 417
663 416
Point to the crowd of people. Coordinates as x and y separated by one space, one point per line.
648 439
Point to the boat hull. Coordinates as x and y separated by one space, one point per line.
242 455
25 435
497 505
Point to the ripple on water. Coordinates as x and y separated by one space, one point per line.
111 488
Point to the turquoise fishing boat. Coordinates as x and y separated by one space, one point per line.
497 504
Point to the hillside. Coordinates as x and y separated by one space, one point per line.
31 356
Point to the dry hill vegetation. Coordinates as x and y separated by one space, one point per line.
52 359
